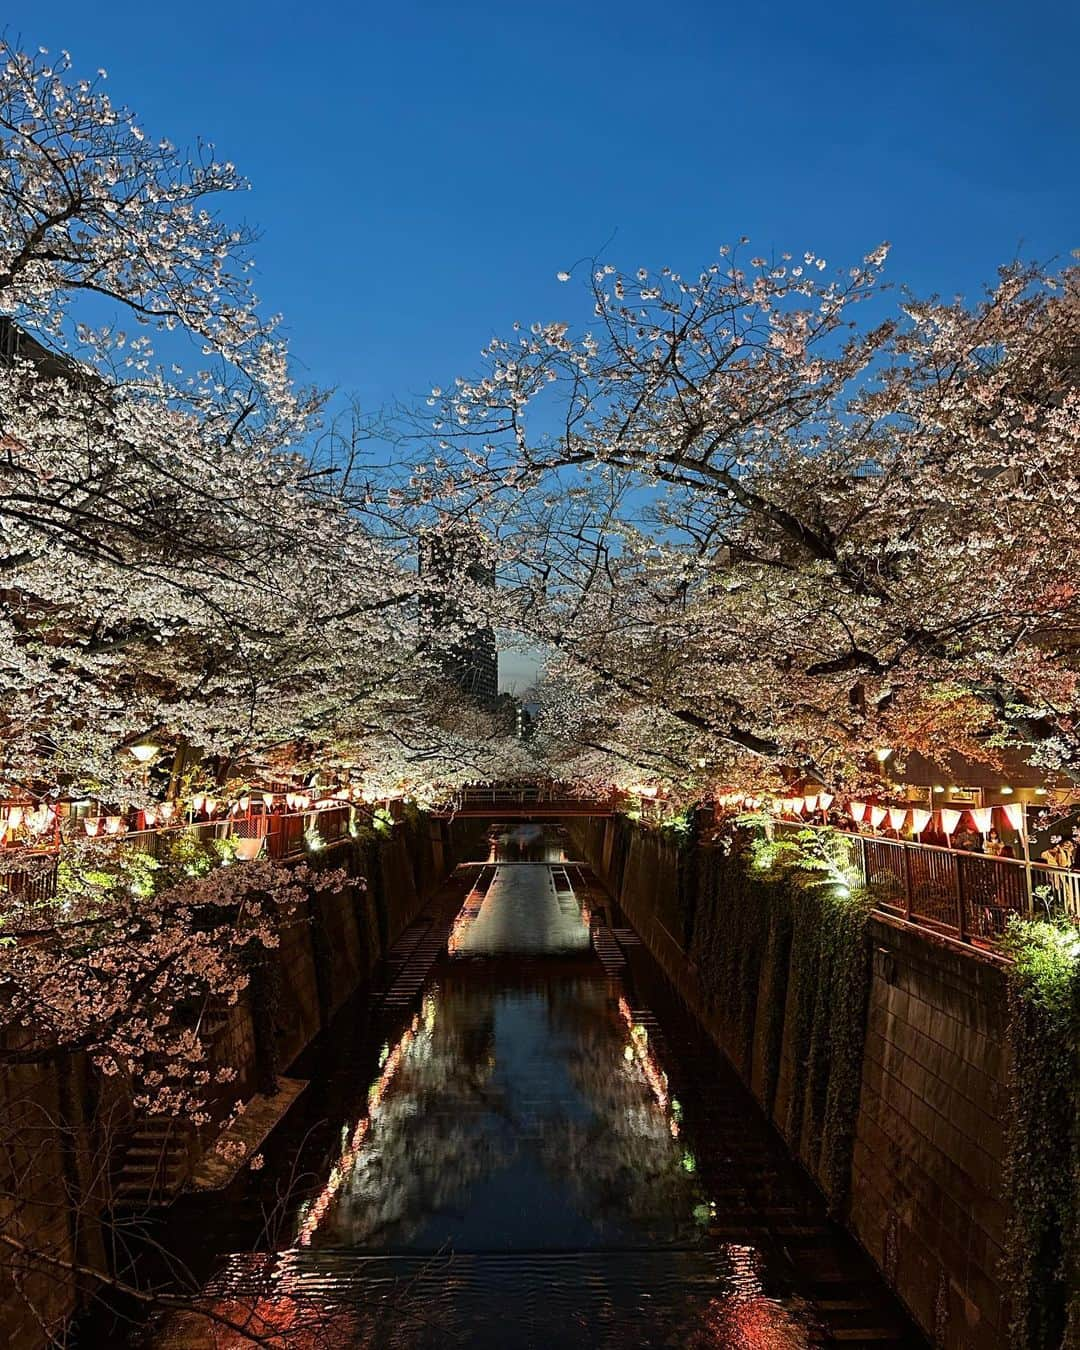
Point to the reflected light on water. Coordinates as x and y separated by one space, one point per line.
312 1215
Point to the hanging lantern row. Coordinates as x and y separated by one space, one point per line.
727 799
982 816
33 819
796 806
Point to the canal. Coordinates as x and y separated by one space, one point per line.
520 1138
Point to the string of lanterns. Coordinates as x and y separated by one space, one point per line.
919 818
28 823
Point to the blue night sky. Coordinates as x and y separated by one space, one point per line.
421 171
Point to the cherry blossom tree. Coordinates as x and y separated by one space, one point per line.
782 533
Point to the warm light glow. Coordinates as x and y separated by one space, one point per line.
938 787
1014 814
167 810
811 803
1041 792
197 802
983 816
857 809
15 817
346 1164
244 803
249 849
210 805
144 751
920 818
91 824
883 754
38 821
1006 791
825 800
950 819
897 816
150 817
268 799
877 815
114 824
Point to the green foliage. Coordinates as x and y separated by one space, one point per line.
1042 1172
187 856
92 872
382 820
679 827
781 945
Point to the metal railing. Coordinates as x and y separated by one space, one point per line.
963 895
28 875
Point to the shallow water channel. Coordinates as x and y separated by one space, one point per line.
519 1137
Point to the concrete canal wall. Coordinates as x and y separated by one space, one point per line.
913 1162
61 1121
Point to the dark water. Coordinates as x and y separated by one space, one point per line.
516 1144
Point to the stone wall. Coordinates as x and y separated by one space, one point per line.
924 1190
60 1117
929 1147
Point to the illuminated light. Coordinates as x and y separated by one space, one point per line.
858 810
144 751
268 799
877 815
1006 791
825 800
113 824
167 810
811 803
897 816
983 816
1041 792
38 821
701 763
953 789
1014 814
938 787
91 824
346 1164
244 803
150 817
210 805
247 850
950 819
15 817
197 802
920 818
883 754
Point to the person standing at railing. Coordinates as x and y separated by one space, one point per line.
996 847
1061 853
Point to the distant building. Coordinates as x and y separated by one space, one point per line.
451 555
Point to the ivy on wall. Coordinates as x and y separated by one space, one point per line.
1042 1173
780 945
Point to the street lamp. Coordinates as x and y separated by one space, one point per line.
144 751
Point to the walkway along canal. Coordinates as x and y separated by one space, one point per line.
519 1137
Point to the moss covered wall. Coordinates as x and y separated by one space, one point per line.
879 1056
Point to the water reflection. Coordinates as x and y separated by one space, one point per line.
527 843
519 1171
522 909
